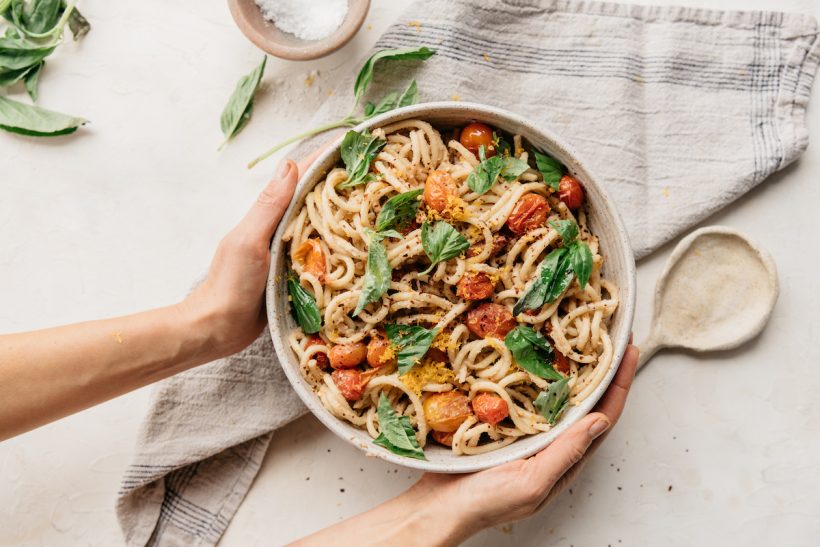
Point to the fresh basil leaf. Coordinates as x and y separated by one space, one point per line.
18 53
502 147
238 111
11 77
488 170
386 104
532 352
580 257
441 242
552 403
396 432
391 233
32 79
358 152
78 24
512 167
33 121
377 275
40 16
412 342
550 168
303 306
409 96
399 210
365 75
567 229
554 276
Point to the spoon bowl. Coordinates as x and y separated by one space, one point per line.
717 291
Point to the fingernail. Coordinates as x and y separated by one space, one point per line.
284 168
601 425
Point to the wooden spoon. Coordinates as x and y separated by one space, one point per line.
717 291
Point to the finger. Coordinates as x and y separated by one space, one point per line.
614 399
306 162
264 215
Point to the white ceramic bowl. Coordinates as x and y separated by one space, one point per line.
604 221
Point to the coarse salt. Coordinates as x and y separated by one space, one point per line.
311 20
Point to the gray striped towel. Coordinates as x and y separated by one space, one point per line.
679 111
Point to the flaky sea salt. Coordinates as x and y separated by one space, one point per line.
308 20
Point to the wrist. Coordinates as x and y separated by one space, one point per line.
201 325
435 514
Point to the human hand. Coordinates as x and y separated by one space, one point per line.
518 489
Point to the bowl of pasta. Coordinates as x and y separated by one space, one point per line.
450 288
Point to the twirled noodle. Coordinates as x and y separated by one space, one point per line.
576 322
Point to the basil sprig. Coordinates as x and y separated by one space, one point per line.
359 149
412 342
489 169
441 243
396 433
551 169
392 100
33 121
532 352
399 210
304 307
237 112
556 271
552 402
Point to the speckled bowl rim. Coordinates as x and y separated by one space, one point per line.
441 460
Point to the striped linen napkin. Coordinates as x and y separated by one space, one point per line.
678 111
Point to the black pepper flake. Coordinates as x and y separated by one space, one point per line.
342 490
307 478
619 488
669 489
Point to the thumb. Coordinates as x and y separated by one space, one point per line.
570 447
267 211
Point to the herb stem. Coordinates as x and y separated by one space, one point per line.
58 27
348 121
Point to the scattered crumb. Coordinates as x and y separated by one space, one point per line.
415 24
666 195
329 92
639 79
307 478
506 529
486 57
619 488
311 77
570 491
328 450
369 27
342 490
117 336
456 97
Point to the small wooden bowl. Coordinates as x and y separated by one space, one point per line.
267 37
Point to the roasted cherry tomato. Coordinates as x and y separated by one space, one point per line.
474 135
347 355
379 353
437 355
351 382
493 320
560 362
528 214
321 358
446 411
570 191
311 255
439 189
443 438
475 286
499 242
490 408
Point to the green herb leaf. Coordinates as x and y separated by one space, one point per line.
238 111
18 53
34 121
78 24
399 210
502 146
358 152
532 352
396 432
441 242
412 342
550 168
386 104
488 170
377 273
554 276
32 79
567 229
580 257
303 306
365 75
513 167
552 403
40 16
409 96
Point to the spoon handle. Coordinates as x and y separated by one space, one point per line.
648 348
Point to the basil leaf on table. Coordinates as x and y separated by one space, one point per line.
237 112
552 402
40 16
567 229
551 169
303 306
32 80
34 121
399 210
377 275
17 53
358 152
365 75
488 170
409 96
393 100
532 352
78 24
553 277
441 243
412 342
580 257
396 432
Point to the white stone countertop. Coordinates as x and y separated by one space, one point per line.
124 215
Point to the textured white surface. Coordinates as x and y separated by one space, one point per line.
126 214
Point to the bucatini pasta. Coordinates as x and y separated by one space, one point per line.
448 287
